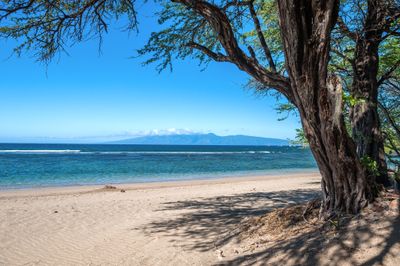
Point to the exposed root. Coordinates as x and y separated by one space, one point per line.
292 220
289 220
310 209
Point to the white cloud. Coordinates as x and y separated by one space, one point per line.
171 131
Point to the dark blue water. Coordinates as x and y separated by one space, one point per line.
35 165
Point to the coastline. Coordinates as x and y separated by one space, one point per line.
207 179
192 222
149 224
40 166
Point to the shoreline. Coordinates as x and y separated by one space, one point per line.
192 222
229 178
165 223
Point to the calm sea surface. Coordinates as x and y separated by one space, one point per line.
41 165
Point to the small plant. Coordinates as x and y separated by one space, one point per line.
352 100
371 165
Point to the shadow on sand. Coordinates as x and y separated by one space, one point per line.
209 223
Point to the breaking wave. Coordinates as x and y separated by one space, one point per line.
130 152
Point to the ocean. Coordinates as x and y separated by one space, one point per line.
47 165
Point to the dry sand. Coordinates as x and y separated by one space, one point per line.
175 223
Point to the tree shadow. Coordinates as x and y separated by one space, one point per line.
209 223
362 240
206 222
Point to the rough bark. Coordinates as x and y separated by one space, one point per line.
306 27
364 114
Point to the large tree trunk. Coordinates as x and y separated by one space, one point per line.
364 114
365 126
306 27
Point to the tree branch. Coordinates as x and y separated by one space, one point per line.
388 74
393 86
215 56
261 37
345 57
252 53
393 15
345 30
235 3
10 11
394 147
45 25
389 118
220 23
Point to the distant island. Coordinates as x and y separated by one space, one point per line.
203 139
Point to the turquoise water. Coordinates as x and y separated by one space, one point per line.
41 165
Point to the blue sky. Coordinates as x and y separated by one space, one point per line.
86 96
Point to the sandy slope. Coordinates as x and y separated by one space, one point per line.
180 223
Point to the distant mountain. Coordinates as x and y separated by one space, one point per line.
203 139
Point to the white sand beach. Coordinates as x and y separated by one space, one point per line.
173 223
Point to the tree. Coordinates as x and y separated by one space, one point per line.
365 54
389 101
390 113
218 30
362 30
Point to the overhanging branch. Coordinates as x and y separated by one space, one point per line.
215 56
389 118
220 23
345 30
388 74
261 37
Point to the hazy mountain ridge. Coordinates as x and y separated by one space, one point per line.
203 139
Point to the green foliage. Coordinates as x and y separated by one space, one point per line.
370 165
389 112
47 27
183 26
300 138
286 109
268 12
352 13
350 100
390 56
